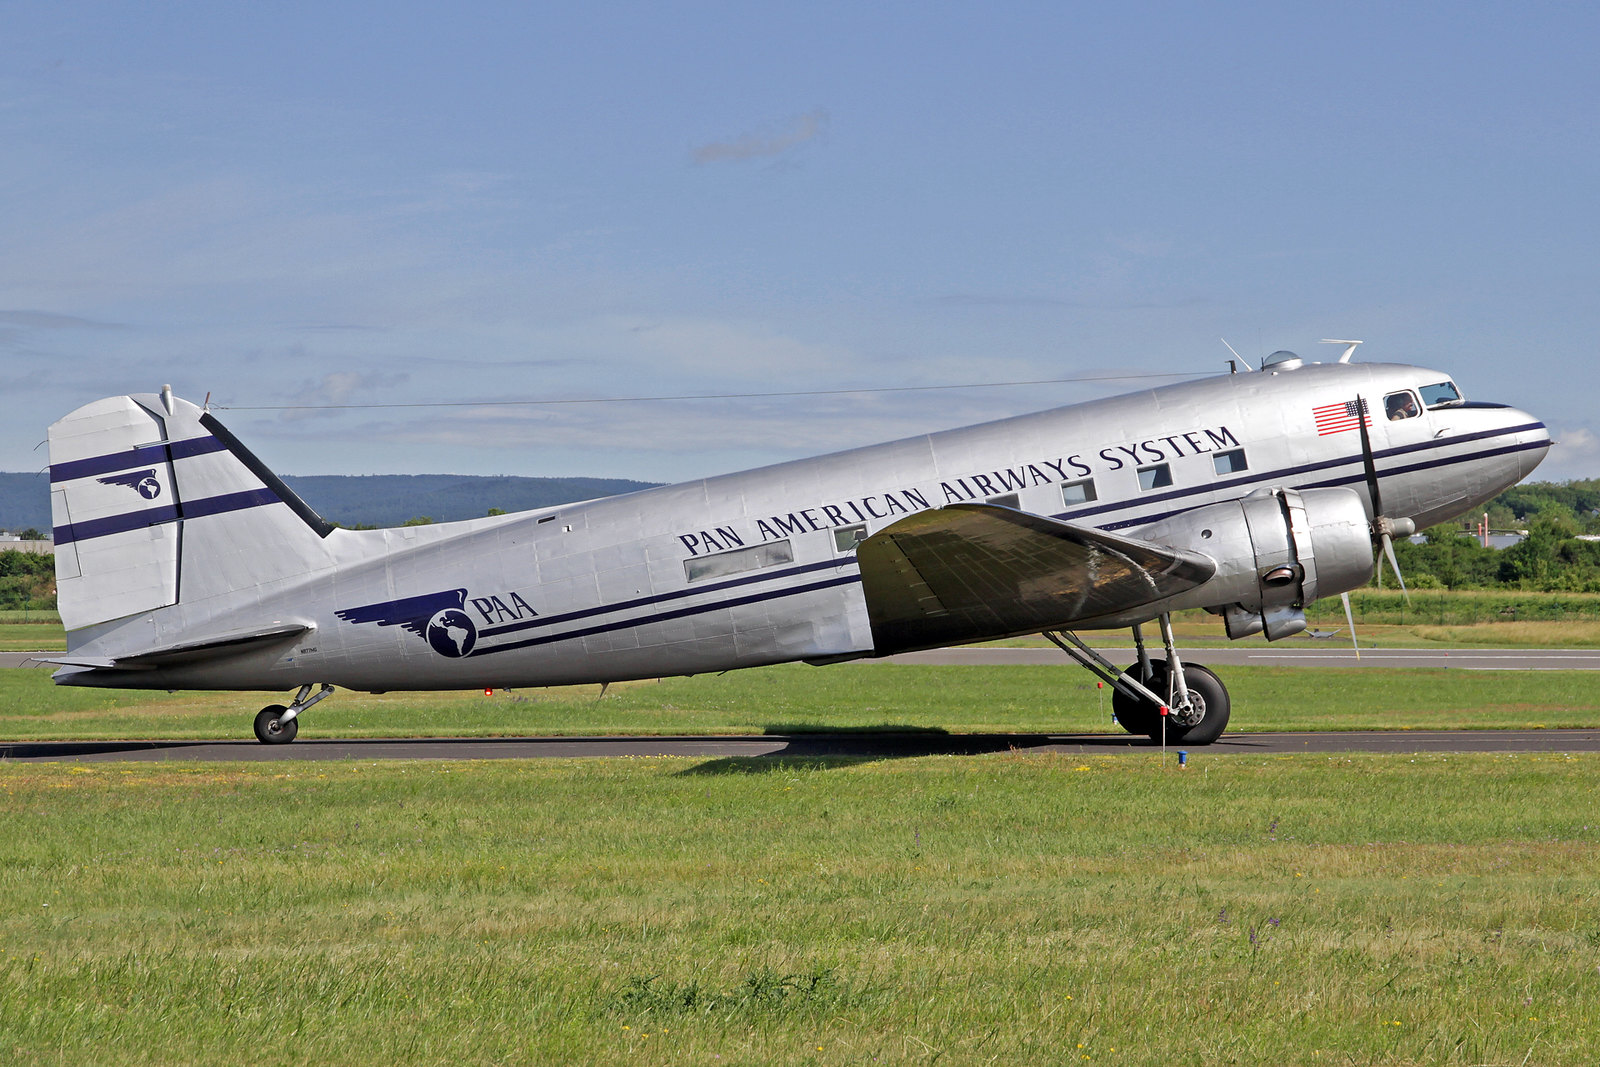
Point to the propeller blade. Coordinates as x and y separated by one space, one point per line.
1367 460
1388 550
1350 621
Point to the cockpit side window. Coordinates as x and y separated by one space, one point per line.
1401 405
1441 395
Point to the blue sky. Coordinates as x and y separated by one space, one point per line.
285 205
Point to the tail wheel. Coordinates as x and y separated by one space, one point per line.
270 727
1200 724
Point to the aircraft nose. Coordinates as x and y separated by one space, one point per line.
1533 438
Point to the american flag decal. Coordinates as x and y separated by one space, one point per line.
1337 418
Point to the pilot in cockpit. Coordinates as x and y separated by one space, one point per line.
1400 406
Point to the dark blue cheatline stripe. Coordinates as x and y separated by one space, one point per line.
668 616
138 520
143 456
662 598
1308 468
115 524
1359 478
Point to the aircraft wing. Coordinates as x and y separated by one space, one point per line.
967 572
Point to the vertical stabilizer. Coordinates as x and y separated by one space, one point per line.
155 503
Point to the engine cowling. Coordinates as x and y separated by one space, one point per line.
1276 550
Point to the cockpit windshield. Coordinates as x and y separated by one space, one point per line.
1442 395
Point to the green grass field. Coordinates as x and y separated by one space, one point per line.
784 699
1007 909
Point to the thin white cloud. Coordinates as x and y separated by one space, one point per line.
801 129
45 320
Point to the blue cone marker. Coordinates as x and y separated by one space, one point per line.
1183 758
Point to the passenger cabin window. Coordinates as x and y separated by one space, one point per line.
846 538
1006 500
1157 477
738 561
1442 395
1078 492
1401 406
1229 462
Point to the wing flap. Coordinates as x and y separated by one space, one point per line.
969 572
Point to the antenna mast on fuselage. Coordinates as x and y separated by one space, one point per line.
1348 352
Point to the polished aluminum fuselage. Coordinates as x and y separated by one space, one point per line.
601 590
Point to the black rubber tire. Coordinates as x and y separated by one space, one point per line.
270 730
1210 692
1136 715
1139 717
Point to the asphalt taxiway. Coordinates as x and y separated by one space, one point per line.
800 746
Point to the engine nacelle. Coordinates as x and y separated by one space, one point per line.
1276 551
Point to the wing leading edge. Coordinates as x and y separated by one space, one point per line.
969 572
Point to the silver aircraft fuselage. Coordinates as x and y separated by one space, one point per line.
759 567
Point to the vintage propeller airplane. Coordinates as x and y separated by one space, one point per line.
183 562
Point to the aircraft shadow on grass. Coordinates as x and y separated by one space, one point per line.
811 749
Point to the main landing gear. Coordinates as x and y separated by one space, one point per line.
1167 700
278 725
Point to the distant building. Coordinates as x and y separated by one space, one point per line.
10 542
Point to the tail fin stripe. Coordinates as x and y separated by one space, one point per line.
116 461
192 509
221 505
196 446
114 524
135 457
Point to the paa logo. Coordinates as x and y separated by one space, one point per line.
437 618
142 482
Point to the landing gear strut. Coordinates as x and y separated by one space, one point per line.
278 725
1194 700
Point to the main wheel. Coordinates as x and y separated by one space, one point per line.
271 729
1201 724
1209 709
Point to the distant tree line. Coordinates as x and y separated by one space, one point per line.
27 580
1518 507
1552 558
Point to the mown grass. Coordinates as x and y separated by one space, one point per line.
795 698
32 636
999 909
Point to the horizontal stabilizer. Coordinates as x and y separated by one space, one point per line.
185 652
969 572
